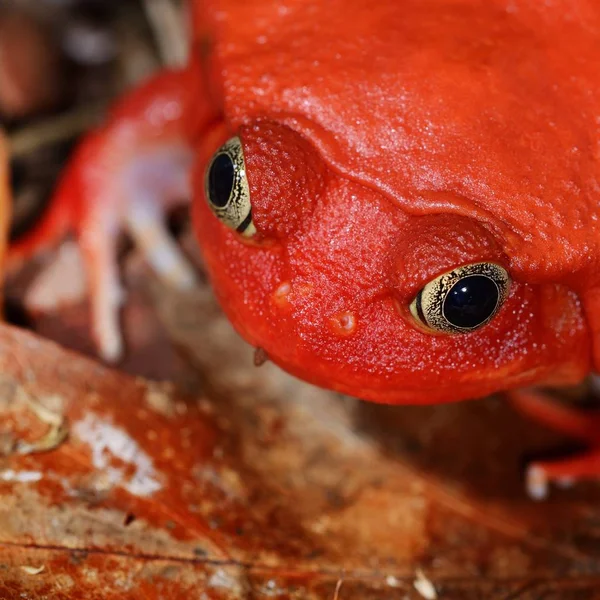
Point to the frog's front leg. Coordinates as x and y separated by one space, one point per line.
151 182
98 244
581 425
124 177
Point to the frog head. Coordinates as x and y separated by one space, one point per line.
346 288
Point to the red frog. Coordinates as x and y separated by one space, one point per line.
395 200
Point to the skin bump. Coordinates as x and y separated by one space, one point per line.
344 323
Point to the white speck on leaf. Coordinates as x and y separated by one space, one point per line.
32 570
424 586
223 579
20 476
106 441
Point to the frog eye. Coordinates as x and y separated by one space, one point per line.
226 188
463 299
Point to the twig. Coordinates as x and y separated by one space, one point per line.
167 25
55 129
338 587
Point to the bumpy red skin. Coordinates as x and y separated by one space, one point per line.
387 143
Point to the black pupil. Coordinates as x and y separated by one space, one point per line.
471 301
220 180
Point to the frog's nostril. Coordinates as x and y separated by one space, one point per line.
343 323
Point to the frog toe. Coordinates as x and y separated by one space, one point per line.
583 425
563 473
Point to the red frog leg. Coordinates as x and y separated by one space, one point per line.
124 177
581 425
152 182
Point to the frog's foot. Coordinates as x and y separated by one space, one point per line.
98 241
133 198
145 187
125 176
582 425
151 184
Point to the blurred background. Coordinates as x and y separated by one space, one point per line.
62 62
321 485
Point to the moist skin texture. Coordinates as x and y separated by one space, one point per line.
418 137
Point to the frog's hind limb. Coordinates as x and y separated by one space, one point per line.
124 177
581 425
150 183
132 195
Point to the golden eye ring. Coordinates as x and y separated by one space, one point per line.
463 299
226 188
